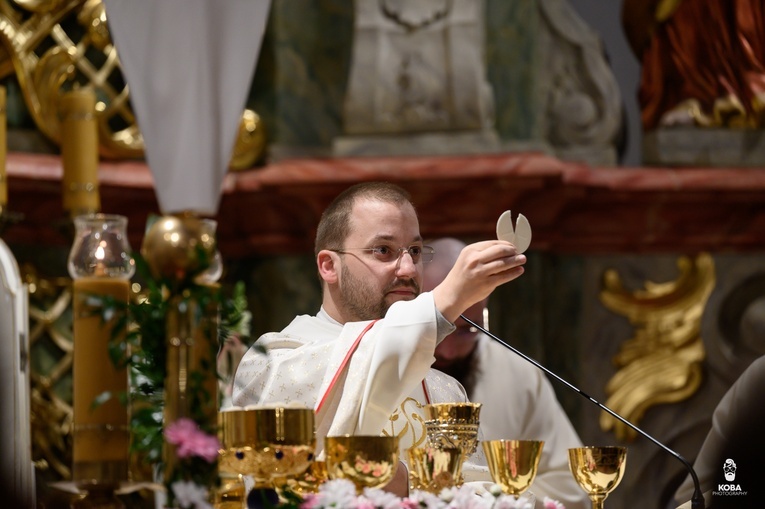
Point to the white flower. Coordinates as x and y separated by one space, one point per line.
382 499
336 493
495 489
189 494
468 498
448 494
340 493
427 500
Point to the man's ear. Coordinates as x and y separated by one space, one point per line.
329 266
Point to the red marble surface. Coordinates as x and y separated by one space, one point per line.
572 207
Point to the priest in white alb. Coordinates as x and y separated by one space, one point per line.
363 362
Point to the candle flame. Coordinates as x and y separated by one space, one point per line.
100 251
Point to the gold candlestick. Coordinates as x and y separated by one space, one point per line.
79 152
180 250
101 266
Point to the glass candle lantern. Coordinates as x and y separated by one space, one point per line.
101 265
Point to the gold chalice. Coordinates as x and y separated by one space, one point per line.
310 480
598 470
513 463
453 425
269 444
367 461
231 493
432 469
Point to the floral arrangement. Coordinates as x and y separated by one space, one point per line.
341 494
194 472
192 446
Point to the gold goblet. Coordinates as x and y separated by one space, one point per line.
598 470
433 469
513 463
269 444
367 461
231 494
453 425
310 480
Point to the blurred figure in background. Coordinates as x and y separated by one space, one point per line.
729 464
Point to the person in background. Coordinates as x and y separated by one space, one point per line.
729 463
518 401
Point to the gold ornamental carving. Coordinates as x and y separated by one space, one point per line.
50 343
56 45
662 362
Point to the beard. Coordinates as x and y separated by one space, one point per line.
465 370
362 299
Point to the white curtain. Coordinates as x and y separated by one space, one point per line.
16 468
188 65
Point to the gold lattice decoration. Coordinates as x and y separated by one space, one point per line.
55 45
662 362
50 345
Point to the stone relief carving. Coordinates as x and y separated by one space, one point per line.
581 101
418 84
417 67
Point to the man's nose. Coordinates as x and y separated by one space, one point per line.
405 265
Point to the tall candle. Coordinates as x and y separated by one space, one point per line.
101 435
79 152
3 150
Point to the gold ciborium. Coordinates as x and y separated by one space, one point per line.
367 461
269 444
432 469
513 463
598 470
453 425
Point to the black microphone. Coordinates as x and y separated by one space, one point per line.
697 500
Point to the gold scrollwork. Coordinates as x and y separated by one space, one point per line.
407 419
662 362
55 45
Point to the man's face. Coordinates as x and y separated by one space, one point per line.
368 286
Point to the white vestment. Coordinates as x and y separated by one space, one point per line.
518 403
380 391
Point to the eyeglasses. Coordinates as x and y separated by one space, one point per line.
387 254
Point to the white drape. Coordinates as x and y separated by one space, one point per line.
16 468
188 65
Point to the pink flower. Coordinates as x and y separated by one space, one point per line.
191 441
552 504
409 503
309 501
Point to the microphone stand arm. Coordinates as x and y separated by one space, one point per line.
697 500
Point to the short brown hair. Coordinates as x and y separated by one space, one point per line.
335 223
